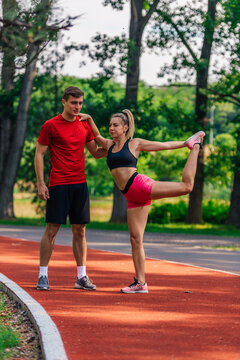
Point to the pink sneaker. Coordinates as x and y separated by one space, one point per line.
135 288
195 139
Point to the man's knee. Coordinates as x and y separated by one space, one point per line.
79 231
51 231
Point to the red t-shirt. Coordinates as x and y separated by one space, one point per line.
66 142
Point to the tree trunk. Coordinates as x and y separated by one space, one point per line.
195 200
7 82
119 212
137 25
134 52
234 212
17 138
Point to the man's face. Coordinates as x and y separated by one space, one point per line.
73 105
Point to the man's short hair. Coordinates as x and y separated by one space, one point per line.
72 91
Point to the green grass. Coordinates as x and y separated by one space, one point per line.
177 228
100 214
9 338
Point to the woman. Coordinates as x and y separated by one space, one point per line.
139 190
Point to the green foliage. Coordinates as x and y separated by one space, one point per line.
26 174
168 165
8 337
26 24
168 213
219 162
214 212
99 179
162 114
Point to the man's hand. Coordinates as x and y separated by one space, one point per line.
43 192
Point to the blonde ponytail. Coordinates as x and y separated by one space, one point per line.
131 125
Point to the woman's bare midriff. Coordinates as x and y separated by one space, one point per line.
122 175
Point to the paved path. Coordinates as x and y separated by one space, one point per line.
189 312
186 249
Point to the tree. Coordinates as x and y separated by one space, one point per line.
171 25
23 35
228 90
177 28
191 34
129 52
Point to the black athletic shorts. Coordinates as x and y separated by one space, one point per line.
72 200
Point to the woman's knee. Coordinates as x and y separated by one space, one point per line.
136 241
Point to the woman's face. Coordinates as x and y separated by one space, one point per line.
117 127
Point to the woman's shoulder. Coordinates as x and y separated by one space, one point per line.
136 141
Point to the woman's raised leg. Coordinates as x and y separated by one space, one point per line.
164 189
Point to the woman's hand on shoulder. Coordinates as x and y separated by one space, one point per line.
84 117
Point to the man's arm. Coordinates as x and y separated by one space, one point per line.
97 152
39 169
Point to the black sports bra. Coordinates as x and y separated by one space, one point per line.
122 158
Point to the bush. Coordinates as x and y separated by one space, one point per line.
168 213
214 212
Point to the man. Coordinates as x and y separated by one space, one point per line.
65 136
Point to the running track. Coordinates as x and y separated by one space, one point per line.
189 312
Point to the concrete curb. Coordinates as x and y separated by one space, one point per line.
50 338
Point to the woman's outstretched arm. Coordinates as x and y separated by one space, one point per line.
146 145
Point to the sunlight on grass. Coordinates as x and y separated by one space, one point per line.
101 208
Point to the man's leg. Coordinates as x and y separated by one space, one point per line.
47 243
46 249
79 244
80 254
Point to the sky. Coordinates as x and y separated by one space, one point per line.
97 18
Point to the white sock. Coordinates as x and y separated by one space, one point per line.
43 271
81 271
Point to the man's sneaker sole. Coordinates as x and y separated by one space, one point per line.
44 289
77 286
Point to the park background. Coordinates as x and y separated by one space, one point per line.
195 86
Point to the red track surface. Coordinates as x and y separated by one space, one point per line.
189 313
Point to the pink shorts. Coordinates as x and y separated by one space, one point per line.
139 192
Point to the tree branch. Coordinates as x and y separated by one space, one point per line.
220 96
54 27
169 20
150 12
